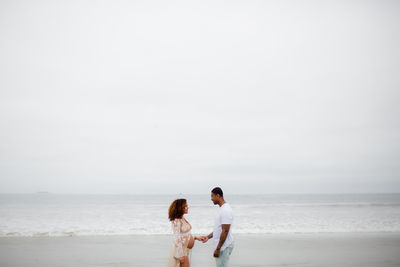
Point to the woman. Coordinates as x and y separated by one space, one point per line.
183 240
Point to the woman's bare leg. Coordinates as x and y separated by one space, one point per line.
186 262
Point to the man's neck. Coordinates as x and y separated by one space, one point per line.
222 202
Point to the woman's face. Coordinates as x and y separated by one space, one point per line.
186 209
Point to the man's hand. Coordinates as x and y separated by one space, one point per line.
216 253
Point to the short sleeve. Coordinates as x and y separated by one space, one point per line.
178 239
226 216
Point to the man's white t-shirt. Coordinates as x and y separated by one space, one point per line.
224 216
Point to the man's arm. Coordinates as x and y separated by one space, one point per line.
224 234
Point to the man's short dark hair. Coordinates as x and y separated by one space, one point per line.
218 191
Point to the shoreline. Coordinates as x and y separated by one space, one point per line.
236 234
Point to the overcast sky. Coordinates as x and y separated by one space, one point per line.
181 96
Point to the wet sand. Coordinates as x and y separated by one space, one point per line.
322 249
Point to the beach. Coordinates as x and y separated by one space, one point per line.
315 249
54 230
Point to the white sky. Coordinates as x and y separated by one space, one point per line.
181 96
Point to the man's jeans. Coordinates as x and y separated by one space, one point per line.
222 260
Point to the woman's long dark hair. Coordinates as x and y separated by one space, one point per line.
176 209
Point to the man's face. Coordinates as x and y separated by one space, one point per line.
214 198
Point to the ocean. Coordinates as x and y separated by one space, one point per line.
81 215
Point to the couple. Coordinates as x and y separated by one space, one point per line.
184 241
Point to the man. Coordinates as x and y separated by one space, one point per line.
222 236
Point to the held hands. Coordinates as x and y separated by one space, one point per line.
203 238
